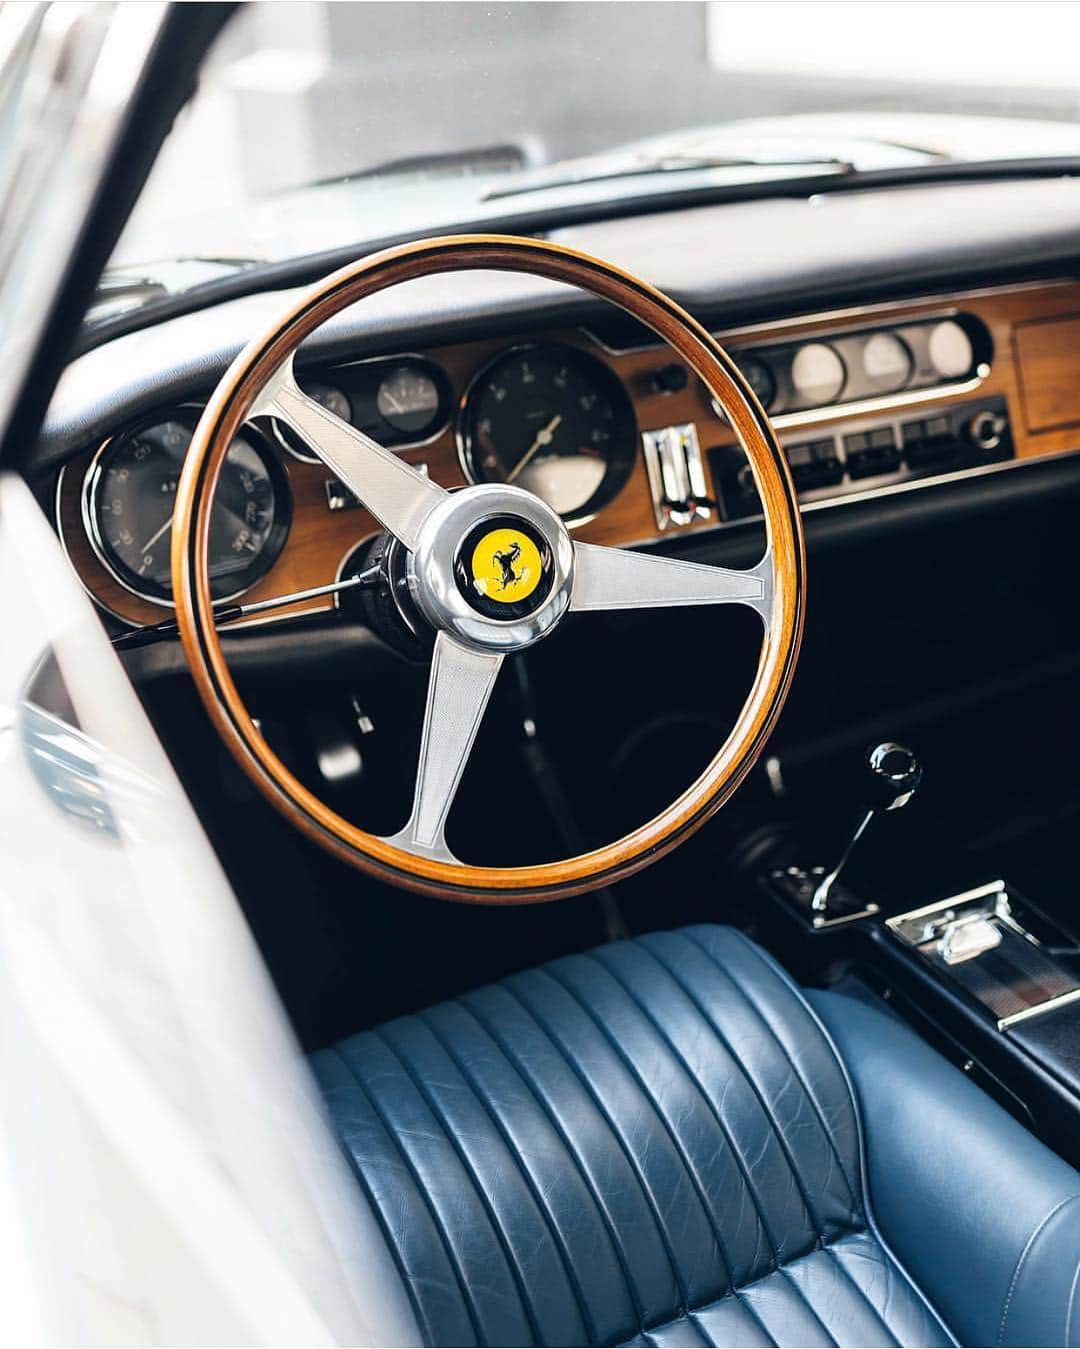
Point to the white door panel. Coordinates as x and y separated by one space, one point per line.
170 1173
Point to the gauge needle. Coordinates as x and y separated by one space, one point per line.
154 537
543 437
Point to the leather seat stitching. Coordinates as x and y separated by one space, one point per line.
861 1292
632 1069
684 1299
692 1317
392 1134
392 1246
676 1054
544 1207
744 1069
1022 1260
768 1026
753 1283
467 1166
706 1207
837 1057
778 1264
537 1095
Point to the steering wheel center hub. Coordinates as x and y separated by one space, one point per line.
493 567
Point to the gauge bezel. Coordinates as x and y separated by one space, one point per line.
324 372
188 415
884 390
753 358
613 384
443 405
827 343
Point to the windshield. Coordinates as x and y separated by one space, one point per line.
316 125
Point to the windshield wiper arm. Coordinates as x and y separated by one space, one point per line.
595 169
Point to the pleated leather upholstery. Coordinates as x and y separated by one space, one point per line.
653 1143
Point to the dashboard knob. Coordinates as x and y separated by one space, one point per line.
669 379
985 430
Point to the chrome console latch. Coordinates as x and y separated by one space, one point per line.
676 475
967 937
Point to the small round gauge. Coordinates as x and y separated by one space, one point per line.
408 400
554 420
951 352
328 396
760 378
130 494
818 374
886 362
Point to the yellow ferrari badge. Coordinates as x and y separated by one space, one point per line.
506 566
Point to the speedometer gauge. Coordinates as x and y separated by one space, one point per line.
130 493
554 420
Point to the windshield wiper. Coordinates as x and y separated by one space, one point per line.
131 286
633 164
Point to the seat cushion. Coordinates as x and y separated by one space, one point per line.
653 1143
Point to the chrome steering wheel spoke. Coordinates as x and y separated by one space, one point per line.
399 497
459 689
616 578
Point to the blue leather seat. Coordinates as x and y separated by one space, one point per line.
665 1142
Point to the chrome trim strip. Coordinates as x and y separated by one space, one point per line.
882 403
93 595
1060 1001
965 897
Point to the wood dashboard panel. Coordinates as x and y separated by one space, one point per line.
1036 362
1046 360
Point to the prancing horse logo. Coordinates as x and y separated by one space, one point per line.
506 560
505 567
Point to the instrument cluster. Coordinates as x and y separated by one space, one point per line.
550 417
558 418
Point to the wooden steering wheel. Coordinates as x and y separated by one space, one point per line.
451 541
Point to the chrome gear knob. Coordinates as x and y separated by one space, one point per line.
893 776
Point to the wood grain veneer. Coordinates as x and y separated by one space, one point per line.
1046 351
1036 368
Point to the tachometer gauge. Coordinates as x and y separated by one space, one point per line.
554 420
130 493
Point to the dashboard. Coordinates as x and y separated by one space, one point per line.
619 438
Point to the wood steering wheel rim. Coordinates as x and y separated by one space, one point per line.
232 403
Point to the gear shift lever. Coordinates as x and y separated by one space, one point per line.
892 776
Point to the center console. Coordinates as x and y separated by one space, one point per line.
984 943
983 973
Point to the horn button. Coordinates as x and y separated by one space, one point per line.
493 568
